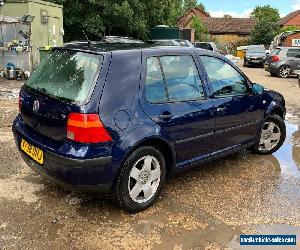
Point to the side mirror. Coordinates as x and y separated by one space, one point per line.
257 89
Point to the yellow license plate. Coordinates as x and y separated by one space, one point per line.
34 152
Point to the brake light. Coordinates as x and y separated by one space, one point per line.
86 128
275 58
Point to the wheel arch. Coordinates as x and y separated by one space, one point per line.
275 109
161 144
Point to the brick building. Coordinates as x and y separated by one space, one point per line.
223 30
288 39
232 30
292 19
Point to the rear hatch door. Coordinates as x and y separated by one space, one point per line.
275 52
64 81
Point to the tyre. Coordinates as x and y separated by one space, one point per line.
273 74
271 137
141 179
283 71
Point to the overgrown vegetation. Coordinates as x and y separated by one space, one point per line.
201 30
267 26
118 17
288 28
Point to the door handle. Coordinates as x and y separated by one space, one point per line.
165 116
221 108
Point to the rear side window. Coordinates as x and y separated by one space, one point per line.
67 75
154 82
224 79
293 53
172 78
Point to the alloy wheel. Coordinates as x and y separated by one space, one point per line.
144 179
284 71
270 136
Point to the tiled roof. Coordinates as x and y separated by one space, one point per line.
184 19
289 17
242 26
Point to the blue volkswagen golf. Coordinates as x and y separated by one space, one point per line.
120 118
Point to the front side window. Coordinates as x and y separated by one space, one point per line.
224 79
172 78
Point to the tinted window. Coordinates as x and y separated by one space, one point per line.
293 53
224 79
154 82
67 75
181 78
256 49
275 52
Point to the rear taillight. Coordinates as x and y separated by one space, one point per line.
86 128
275 58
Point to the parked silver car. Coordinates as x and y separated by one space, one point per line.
206 45
255 56
171 42
283 61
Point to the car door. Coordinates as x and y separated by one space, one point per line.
176 99
293 56
239 113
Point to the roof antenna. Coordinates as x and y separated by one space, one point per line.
86 37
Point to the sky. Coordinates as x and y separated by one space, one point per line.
240 8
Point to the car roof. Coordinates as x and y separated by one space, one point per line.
103 47
286 48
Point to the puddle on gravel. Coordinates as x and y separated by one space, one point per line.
287 158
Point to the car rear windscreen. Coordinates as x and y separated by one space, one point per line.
67 75
275 52
255 49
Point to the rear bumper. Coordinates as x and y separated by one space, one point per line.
271 68
92 175
254 61
56 175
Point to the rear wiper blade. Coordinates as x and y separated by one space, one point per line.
42 89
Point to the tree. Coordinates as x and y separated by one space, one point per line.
119 17
288 28
227 16
201 6
267 25
266 13
190 4
201 31
264 32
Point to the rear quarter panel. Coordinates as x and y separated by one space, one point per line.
119 108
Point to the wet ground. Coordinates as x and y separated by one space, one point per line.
205 208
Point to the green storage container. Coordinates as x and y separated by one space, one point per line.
159 33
